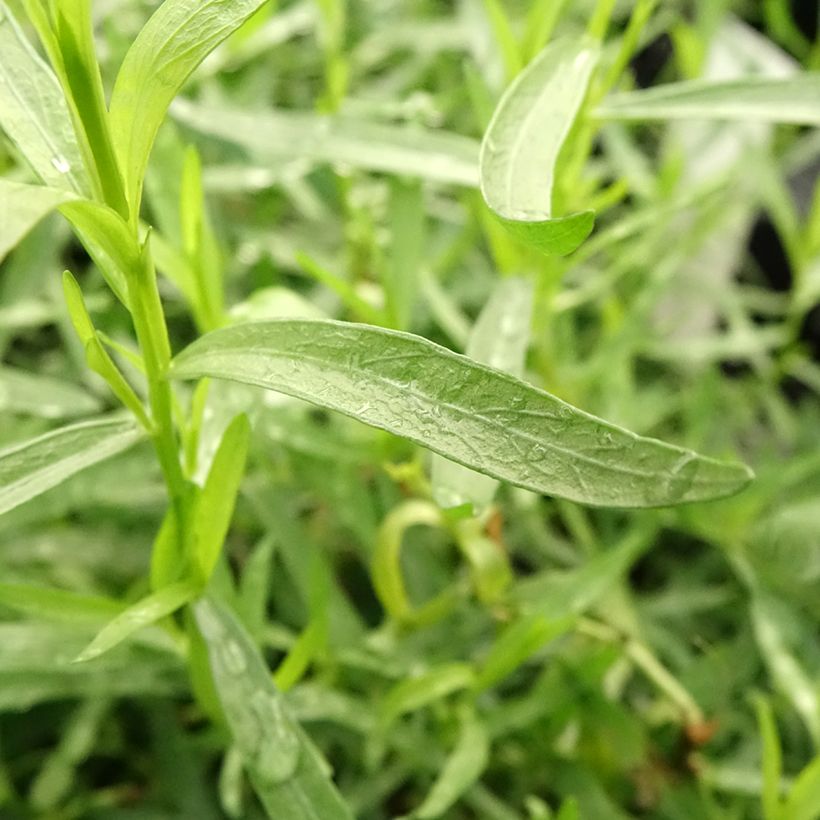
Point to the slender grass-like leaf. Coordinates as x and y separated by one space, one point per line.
59 604
415 693
772 759
770 618
793 100
287 773
177 38
517 643
216 502
474 415
143 613
461 769
22 207
34 114
277 136
32 467
43 396
522 143
803 802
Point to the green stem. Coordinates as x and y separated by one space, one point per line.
152 335
643 657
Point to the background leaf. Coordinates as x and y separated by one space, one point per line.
21 208
766 99
32 467
34 114
275 136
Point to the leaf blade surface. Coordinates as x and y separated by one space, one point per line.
472 414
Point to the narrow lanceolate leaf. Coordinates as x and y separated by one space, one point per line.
521 147
470 413
22 207
276 137
143 613
499 338
33 112
793 100
284 767
177 38
31 468
216 502
461 770
43 396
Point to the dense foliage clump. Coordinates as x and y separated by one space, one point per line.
409 409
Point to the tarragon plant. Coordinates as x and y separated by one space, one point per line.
86 155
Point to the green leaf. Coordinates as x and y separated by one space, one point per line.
177 38
143 613
499 338
72 27
107 239
463 410
287 773
793 100
22 207
770 617
277 136
558 595
461 770
803 802
520 149
518 643
216 501
58 604
772 759
34 114
32 467
415 693
43 396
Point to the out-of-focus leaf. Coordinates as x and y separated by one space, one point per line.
415 693
517 643
461 769
768 614
43 396
803 802
58 604
36 666
22 206
143 613
287 772
287 136
32 467
765 99
177 38
772 760
474 415
34 114
557 595
520 149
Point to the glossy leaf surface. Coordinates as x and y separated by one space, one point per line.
520 149
177 38
479 417
286 771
